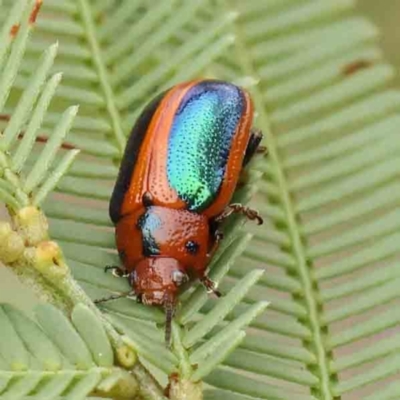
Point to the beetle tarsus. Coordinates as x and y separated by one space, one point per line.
237 208
262 150
218 236
210 285
117 271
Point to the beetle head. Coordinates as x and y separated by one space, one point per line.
157 282
156 279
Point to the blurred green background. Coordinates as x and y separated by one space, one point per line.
384 13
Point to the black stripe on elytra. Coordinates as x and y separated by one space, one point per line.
129 159
148 223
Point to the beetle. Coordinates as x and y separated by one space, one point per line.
180 168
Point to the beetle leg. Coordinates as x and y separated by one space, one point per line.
210 285
139 298
253 146
117 271
218 236
236 208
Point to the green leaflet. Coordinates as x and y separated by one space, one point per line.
50 359
38 86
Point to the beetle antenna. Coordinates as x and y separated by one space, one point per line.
169 314
113 297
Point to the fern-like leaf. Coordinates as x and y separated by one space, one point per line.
328 187
330 194
55 357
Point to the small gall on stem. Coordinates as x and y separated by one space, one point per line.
11 244
126 356
50 261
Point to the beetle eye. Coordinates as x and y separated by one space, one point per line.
192 247
179 277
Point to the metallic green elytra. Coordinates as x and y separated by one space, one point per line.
200 141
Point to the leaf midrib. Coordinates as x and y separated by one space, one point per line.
104 78
310 291
47 373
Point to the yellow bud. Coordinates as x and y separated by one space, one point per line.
11 244
49 260
5 230
12 248
126 356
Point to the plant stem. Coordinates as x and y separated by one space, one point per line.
149 388
33 279
184 363
180 385
183 389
